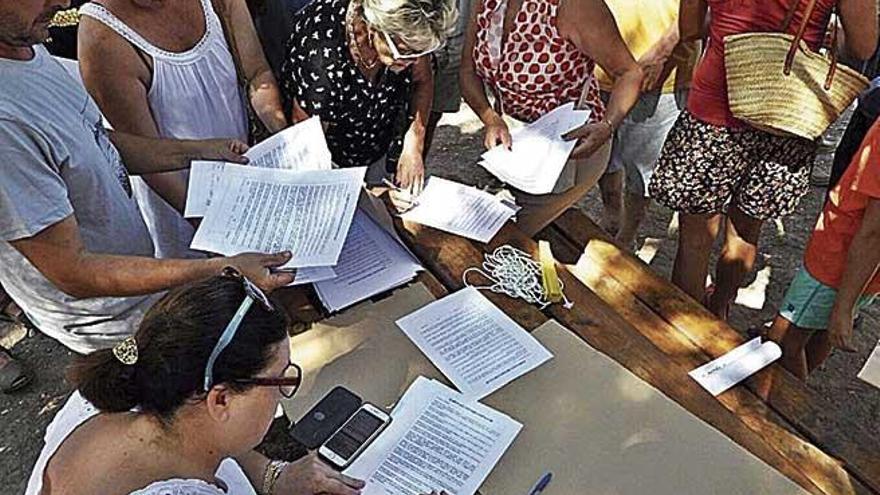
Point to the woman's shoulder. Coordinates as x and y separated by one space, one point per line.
321 13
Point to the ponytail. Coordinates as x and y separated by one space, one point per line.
104 381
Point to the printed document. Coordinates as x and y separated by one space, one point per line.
301 147
538 152
871 371
271 210
313 274
478 347
372 261
723 373
437 440
460 209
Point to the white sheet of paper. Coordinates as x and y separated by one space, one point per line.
372 261
313 274
740 363
539 154
270 210
204 179
460 209
478 347
871 371
436 441
301 147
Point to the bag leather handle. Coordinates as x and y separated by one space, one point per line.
795 43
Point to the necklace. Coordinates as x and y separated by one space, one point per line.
353 44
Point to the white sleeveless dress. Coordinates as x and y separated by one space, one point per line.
194 95
77 410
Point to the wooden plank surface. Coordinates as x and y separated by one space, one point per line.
692 336
447 257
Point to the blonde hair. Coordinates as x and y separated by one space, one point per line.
421 24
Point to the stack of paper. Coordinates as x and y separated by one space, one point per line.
300 148
372 261
437 440
271 210
539 153
460 209
478 347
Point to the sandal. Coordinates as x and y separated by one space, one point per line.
13 375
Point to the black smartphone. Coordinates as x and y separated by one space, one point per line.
325 417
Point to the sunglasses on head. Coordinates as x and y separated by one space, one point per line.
292 376
395 52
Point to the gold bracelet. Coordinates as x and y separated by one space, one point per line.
610 125
271 474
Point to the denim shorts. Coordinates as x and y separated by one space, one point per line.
808 302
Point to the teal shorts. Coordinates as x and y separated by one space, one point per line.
808 302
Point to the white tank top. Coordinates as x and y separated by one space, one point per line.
194 95
77 410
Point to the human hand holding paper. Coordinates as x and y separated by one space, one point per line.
497 133
261 269
225 150
410 174
590 138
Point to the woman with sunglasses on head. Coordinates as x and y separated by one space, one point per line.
364 67
179 407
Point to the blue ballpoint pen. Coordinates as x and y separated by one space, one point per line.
541 484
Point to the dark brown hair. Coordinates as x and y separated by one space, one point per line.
174 341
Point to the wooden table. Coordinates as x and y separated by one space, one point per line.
647 325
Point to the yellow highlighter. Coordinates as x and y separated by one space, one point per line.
549 277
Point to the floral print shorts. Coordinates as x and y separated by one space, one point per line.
703 168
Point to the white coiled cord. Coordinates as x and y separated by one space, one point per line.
514 273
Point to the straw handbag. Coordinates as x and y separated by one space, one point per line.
777 84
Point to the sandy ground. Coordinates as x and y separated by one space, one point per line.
24 416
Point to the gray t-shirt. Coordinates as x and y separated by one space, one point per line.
57 161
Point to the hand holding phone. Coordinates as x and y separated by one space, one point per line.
354 436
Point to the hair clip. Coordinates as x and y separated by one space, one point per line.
126 351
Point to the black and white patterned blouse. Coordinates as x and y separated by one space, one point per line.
365 120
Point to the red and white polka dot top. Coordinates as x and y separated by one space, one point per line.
537 69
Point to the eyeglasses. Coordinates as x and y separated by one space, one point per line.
288 383
403 56
252 294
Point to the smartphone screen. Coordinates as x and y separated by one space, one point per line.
347 441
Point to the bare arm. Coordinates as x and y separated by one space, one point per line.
263 90
119 80
472 88
144 155
862 263
692 19
59 254
657 63
411 167
859 19
591 27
